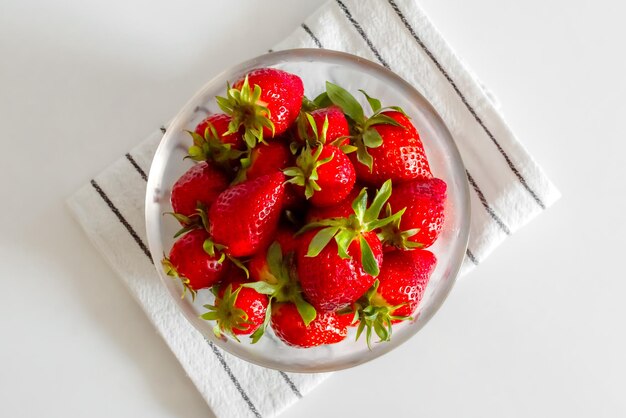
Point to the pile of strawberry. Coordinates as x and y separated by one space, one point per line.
289 216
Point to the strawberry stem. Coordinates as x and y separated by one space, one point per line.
228 317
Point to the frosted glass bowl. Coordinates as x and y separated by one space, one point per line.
315 67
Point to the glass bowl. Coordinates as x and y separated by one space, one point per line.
315 67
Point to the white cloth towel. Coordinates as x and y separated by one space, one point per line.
507 190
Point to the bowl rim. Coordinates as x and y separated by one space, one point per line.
191 104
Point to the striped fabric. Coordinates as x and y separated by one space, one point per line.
508 189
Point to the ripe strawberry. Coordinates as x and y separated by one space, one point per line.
212 143
326 328
339 258
195 262
403 279
387 144
396 293
331 282
265 159
400 157
422 221
265 103
325 174
238 310
201 184
244 217
337 126
220 122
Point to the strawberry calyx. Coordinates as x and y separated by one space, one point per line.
198 220
281 284
227 316
304 173
305 122
392 235
309 105
364 135
171 271
247 109
374 313
209 147
346 230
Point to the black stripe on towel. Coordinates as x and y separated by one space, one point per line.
312 35
471 257
488 208
121 218
243 394
139 242
514 169
480 194
291 384
359 29
139 169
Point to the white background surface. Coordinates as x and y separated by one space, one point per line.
537 330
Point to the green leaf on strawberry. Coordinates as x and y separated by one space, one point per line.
209 147
342 98
304 173
285 288
171 271
345 230
228 316
377 315
392 235
374 103
247 110
322 100
365 135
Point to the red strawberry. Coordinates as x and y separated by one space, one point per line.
202 183
238 310
337 125
220 122
424 201
244 217
400 157
190 261
387 144
212 143
403 279
325 174
330 282
396 293
265 103
266 159
339 259
326 328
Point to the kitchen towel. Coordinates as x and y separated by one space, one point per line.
507 190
